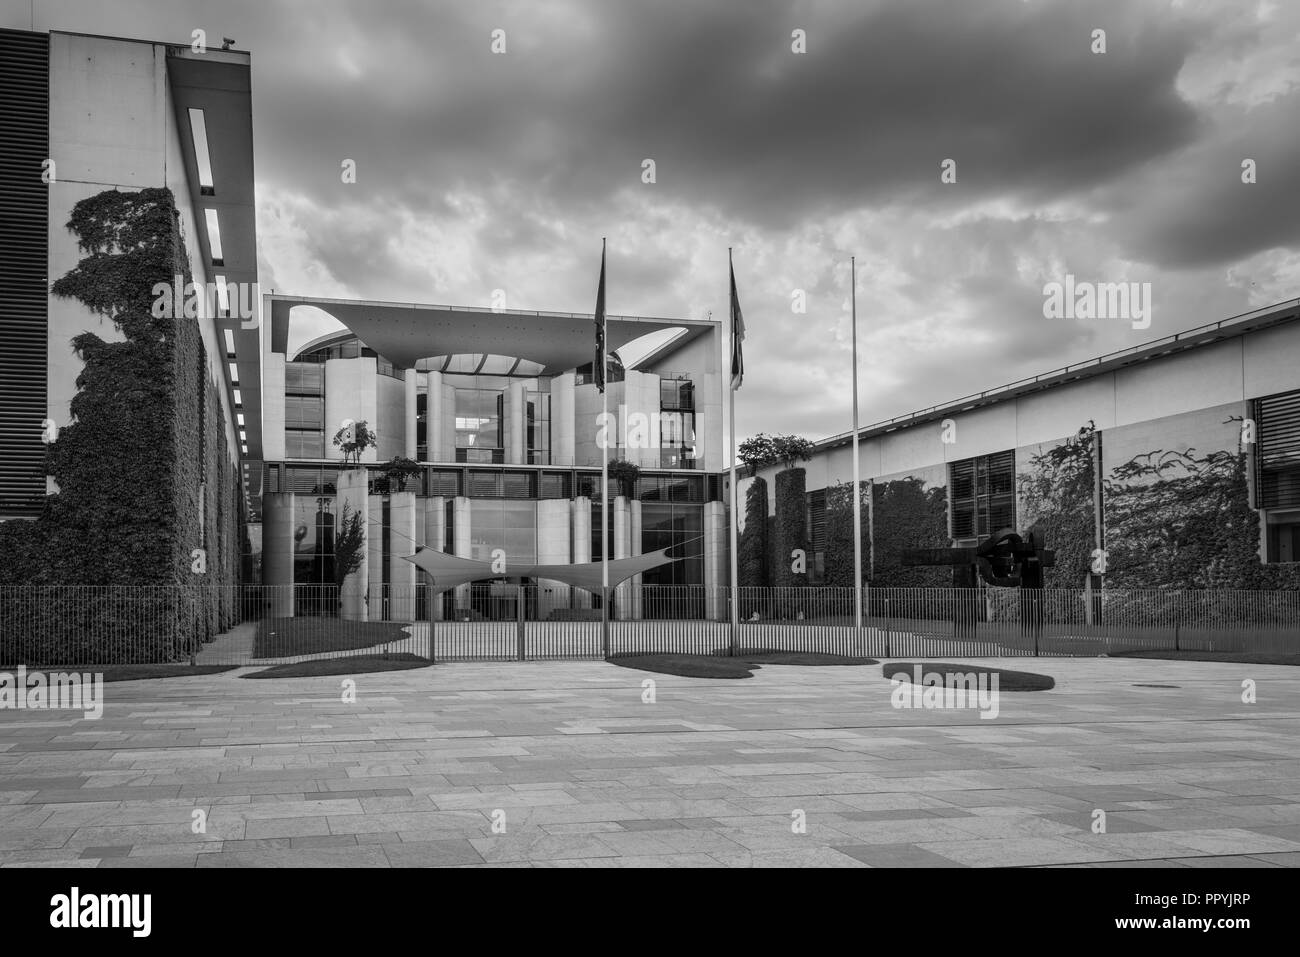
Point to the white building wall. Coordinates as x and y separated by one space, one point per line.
1206 379
390 416
350 393
273 408
113 125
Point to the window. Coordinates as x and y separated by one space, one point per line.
817 533
304 411
677 395
1277 451
982 495
556 485
444 482
422 427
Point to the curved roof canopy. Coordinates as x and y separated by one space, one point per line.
448 571
405 333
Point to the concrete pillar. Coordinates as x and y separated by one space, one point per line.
351 500
411 379
273 408
622 529
277 552
516 415
553 548
637 609
401 545
581 511
461 545
435 536
375 551
448 453
717 571
433 407
562 422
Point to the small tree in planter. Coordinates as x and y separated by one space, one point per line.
757 453
625 474
396 473
353 440
790 450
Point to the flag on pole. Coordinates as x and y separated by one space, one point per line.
737 334
598 367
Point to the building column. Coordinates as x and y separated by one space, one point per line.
277 552
516 413
461 545
433 406
622 522
581 511
562 422
552 549
350 500
634 510
435 537
411 378
401 545
375 555
448 452
716 580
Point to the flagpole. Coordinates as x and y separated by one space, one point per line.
604 473
857 488
735 515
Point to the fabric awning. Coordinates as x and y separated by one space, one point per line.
448 571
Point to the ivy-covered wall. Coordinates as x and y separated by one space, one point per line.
906 514
791 517
144 474
752 566
839 533
1057 501
1181 519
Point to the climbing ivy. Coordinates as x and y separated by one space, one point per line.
1057 493
143 459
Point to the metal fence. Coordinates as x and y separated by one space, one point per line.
548 620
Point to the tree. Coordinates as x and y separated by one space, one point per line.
757 453
626 474
353 440
349 545
397 471
790 450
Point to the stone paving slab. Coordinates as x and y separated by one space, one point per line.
561 764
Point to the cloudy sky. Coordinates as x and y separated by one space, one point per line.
479 170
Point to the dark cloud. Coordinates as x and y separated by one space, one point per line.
479 171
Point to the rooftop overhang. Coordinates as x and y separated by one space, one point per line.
219 83
405 333
1254 321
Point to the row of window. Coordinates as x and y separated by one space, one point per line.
498 483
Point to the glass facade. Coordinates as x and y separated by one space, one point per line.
313 554
502 499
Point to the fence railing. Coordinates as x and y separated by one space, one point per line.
101 625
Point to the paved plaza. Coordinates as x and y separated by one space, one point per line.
563 764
